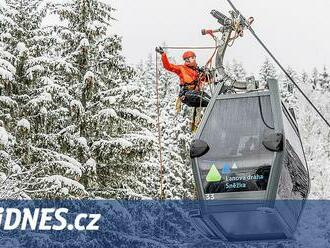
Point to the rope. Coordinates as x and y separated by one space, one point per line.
209 62
161 189
201 83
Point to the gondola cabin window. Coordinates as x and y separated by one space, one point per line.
237 160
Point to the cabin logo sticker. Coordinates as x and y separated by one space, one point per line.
213 175
225 169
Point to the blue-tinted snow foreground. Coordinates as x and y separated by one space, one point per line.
112 223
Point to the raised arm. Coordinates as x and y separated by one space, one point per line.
168 66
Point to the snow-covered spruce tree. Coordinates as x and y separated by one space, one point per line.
287 88
146 75
109 124
176 138
314 134
267 71
315 138
7 68
315 78
236 70
175 133
23 44
320 97
324 79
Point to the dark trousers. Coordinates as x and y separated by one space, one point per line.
194 98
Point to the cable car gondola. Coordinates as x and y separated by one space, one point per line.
247 157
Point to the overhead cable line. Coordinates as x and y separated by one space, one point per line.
246 23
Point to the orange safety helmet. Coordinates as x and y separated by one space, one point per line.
188 54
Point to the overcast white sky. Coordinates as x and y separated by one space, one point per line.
297 31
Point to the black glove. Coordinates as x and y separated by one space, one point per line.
201 69
159 50
204 69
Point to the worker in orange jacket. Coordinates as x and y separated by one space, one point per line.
191 78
